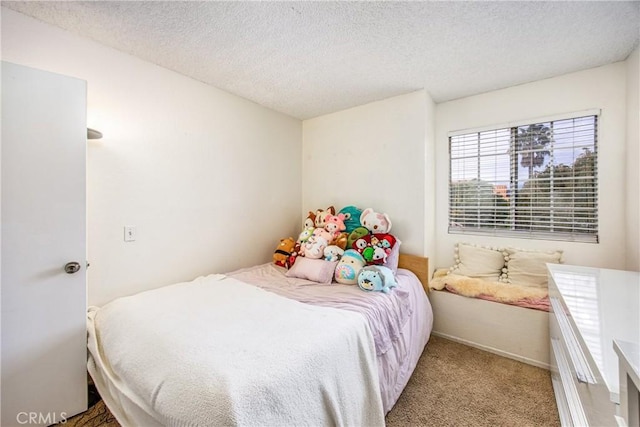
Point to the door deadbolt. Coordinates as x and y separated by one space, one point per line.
72 267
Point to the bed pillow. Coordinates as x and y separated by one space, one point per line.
316 270
393 257
478 261
528 268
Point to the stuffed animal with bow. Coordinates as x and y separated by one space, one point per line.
334 224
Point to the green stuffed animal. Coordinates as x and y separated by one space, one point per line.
356 234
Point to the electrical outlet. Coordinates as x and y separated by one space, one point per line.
130 233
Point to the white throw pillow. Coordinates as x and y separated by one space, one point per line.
528 268
478 261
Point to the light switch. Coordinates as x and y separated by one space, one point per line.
130 233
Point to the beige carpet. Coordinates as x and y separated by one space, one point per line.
453 385
457 385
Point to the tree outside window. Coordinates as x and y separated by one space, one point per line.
537 180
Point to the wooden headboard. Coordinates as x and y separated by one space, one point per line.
419 265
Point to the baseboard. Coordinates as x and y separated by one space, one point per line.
499 352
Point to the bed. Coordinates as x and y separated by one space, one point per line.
255 347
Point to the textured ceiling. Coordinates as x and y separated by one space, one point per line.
306 59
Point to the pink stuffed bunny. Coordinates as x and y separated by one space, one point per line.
334 224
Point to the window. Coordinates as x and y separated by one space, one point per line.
536 180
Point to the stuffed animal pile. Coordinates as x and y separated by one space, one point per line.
358 240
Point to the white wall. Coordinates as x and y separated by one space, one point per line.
372 156
210 180
603 88
633 161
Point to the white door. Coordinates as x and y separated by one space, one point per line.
43 228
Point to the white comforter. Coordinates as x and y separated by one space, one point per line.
217 351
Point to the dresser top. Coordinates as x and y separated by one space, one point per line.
629 355
604 305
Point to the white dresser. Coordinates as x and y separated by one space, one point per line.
590 307
629 358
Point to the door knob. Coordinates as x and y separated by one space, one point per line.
72 267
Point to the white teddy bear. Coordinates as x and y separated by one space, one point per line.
375 222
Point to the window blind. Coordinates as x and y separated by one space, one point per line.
535 180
